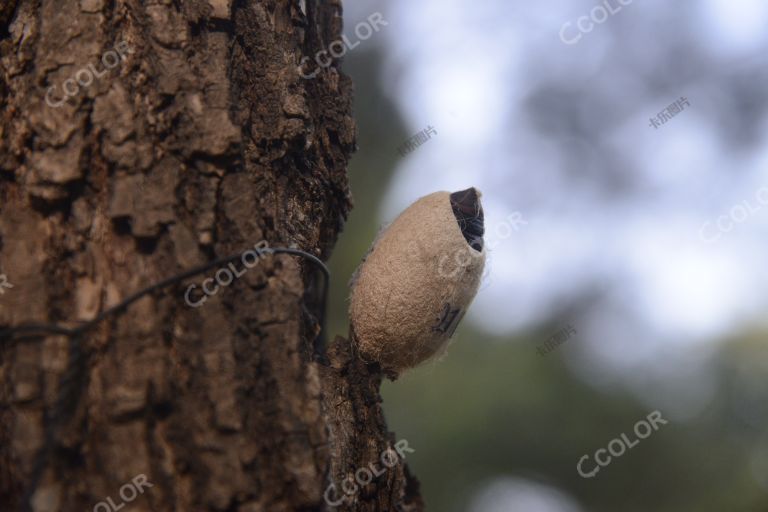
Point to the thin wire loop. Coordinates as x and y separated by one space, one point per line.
73 377
33 330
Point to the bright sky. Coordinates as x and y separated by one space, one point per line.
464 74
473 69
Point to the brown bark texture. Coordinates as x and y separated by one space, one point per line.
196 137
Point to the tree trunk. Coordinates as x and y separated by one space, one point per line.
138 140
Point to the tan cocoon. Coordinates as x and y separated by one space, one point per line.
415 284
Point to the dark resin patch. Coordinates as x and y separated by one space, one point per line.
469 214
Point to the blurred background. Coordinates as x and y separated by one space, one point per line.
623 160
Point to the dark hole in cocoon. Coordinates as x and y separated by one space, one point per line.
469 215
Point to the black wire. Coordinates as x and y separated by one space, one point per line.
74 375
37 329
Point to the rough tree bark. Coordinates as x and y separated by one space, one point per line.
199 141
